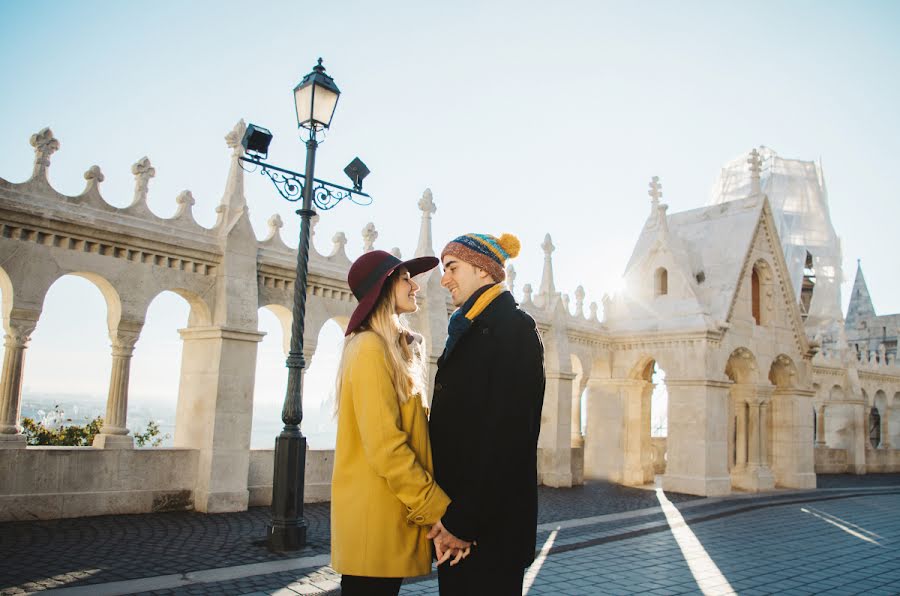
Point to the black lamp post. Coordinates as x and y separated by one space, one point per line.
315 100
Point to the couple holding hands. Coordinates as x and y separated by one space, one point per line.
462 478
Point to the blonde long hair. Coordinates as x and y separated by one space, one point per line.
403 355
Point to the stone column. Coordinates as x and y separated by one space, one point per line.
114 434
697 444
820 426
636 402
741 424
886 428
214 412
793 451
555 441
19 328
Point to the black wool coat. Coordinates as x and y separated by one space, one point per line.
484 425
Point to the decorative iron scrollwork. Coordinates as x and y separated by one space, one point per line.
289 185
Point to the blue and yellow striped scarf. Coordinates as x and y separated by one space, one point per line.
462 318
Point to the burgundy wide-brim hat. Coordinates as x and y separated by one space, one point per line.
368 274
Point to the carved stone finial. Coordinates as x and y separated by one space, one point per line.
579 301
185 197
185 201
426 203
143 171
340 241
275 223
369 235
45 145
565 301
593 308
655 191
755 162
94 173
547 245
527 293
511 278
233 139
396 252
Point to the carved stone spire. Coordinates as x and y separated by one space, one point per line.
426 204
45 145
548 287
233 197
655 193
755 162
143 171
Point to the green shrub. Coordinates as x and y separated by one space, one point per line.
69 435
53 430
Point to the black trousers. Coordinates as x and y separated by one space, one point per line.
472 577
357 585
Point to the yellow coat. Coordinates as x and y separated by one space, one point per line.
383 493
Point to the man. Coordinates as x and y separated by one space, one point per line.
485 420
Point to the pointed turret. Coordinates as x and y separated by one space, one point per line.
548 287
233 200
861 306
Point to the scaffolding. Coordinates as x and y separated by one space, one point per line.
799 199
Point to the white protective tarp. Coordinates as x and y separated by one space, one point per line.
799 200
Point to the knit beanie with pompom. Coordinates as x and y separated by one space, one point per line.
485 251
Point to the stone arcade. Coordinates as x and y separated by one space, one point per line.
764 389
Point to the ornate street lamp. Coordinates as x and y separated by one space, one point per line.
315 99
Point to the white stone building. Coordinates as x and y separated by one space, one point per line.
713 297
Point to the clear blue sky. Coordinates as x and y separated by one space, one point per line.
522 117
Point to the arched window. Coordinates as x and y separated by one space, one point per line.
661 282
874 427
754 297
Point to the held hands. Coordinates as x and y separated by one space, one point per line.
447 545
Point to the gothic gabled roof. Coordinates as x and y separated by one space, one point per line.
710 244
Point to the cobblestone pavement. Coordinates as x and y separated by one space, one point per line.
39 555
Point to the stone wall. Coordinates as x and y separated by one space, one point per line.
56 482
319 465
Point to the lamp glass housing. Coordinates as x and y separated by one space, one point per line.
315 99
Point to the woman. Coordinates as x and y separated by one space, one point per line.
383 494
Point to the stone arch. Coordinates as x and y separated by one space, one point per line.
110 295
6 294
200 314
80 324
879 418
748 436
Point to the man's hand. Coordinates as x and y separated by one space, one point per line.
447 545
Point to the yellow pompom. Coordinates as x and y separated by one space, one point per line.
510 244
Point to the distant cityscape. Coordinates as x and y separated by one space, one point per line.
318 423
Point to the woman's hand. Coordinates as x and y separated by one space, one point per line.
446 545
